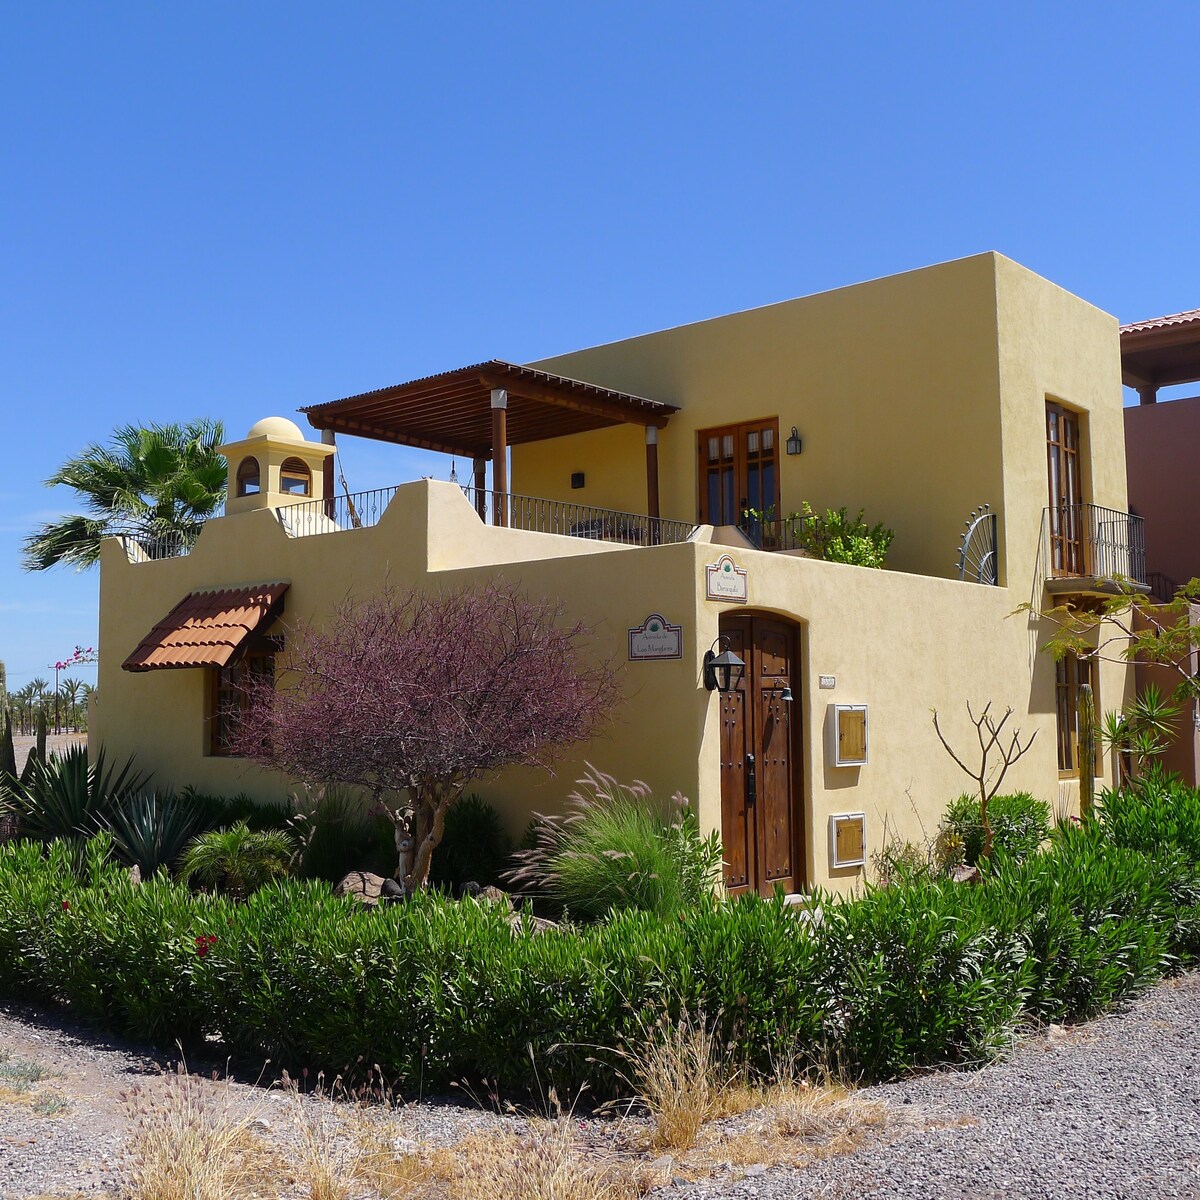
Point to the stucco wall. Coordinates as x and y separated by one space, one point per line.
903 644
1162 442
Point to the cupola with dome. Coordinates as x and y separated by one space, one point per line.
274 465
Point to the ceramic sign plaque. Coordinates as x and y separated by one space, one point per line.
724 580
655 638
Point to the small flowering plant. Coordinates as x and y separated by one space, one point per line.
204 943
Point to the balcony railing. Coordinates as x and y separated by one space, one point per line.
166 545
360 510
1087 541
357 510
575 520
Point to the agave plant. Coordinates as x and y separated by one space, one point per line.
238 860
151 830
65 796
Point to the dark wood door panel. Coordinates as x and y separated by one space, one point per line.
759 788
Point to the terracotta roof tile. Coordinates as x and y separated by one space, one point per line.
206 629
1183 318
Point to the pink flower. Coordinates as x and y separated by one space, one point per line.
66 906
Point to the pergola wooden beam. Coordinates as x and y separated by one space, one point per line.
595 407
399 437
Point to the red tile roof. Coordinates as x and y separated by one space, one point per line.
1183 318
206 629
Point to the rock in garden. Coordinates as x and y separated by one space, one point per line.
369 889
966 874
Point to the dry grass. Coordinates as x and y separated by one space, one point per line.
547 1163
189 1142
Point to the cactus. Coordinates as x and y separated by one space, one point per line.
40 748
1087 750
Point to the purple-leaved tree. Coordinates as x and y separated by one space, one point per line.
411 695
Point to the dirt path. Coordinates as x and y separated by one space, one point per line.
54 741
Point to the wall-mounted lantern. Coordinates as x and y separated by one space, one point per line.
723 671
794 444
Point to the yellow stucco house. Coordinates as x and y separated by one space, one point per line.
621 476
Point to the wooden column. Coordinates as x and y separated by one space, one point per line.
500 456
652 484
479 480
328 487
1148 393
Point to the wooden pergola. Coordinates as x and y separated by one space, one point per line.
478 411
1160 352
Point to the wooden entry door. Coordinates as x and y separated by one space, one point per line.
760 758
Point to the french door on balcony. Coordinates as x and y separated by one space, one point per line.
739 472
1066 493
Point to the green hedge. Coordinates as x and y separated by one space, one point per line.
436 992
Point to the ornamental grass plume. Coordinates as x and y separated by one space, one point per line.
615 848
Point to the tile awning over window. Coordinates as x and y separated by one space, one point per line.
206 629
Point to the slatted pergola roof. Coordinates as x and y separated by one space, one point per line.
452 411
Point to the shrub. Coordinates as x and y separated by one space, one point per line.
436 992
64 796
150 830
615 849
221 812
837 537
237 860
340 835
475 846
1020 824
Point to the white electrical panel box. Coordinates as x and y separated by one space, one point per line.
848 840
848 733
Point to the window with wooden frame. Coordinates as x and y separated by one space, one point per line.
1066 491
249 477
1069 673
295 478
739 472
227 699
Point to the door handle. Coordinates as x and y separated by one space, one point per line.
751 780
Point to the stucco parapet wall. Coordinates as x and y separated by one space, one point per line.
431 523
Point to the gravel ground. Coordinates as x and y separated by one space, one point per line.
1100 1111
1104 1111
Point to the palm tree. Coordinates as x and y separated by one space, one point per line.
147 483
238 860
71 691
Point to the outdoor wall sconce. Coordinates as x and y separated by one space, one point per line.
722 671
794 444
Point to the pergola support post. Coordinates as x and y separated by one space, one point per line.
652 484
479 480
1148 393
500 456
328 486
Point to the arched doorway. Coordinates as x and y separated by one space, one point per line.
762 811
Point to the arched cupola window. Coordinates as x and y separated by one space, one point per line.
249 482
295 479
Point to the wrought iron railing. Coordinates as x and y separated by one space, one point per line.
977 552
1162 587
1088 540
164 545
360 510
575 520
356 510
774 533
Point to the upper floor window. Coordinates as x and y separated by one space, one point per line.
739 472
249 482
1066 490
295 479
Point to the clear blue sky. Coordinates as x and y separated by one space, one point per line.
233 210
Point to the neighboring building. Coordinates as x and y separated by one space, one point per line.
1162 444
918 398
